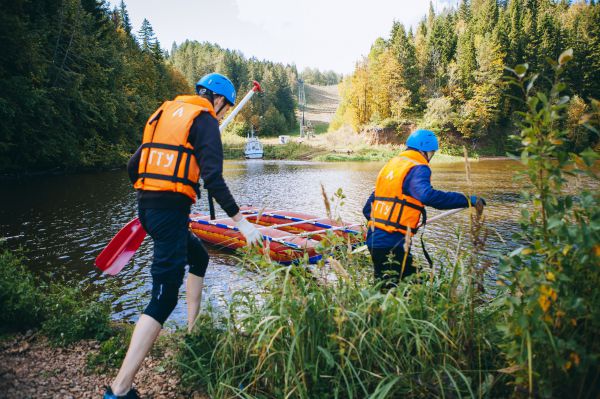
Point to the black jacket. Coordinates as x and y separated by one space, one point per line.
205 137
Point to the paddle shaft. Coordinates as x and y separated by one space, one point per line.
443 215
232 114
255 88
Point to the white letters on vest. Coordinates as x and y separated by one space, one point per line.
178 112
159 154
382 207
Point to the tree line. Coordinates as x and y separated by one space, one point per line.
314 76
271 112
77 84
449 75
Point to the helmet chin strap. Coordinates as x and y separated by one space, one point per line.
224 104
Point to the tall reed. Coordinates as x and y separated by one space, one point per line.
298 337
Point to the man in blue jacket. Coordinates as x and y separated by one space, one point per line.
397 205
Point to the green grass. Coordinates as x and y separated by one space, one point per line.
64 312
289 151
329 333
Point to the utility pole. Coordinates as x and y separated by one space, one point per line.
301 105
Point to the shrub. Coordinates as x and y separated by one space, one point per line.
113 350
554 302
20 298
74 315
439 113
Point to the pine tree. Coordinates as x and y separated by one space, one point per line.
464 11
405 53
146 36
125 21
466 62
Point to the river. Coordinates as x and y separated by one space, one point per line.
63 222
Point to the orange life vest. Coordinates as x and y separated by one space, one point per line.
392 210
167 161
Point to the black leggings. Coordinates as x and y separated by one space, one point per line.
387 265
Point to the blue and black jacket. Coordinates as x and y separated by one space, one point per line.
417 184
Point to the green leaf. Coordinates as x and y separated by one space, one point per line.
531 82
521 70
589 156
565 57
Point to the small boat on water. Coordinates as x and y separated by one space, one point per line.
254 148
287 235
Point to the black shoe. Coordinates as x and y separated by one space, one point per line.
132 394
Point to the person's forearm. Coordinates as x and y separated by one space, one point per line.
133 165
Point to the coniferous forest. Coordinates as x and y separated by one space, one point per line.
78 84
271 112
449 74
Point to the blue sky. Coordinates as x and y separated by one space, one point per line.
324 34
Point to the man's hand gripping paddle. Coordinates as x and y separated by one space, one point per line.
121 248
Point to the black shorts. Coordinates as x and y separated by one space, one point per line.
174 244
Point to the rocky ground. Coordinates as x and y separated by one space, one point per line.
31 368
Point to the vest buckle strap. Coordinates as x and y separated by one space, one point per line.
170 178
395 225
160 146
396 200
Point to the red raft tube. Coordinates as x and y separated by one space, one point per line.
287 235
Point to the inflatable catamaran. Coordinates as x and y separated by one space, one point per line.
287 235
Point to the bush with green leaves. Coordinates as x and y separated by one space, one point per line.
112 350
20 297
73 314
65 313
552 280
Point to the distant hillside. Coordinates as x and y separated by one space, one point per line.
321 103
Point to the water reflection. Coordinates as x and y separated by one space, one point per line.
63 222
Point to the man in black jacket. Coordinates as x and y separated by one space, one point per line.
185 130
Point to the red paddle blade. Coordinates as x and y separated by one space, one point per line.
121 248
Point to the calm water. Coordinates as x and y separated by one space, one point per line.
63 222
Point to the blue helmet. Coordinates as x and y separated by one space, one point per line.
423 140
218 84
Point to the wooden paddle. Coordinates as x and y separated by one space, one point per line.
121 248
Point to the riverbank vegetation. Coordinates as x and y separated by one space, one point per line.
325 331
65 313
448 74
